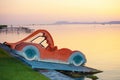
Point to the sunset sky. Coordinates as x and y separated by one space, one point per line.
49 11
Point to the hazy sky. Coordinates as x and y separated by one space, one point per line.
49 11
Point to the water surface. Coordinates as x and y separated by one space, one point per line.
100 44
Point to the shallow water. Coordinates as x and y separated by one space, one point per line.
100 44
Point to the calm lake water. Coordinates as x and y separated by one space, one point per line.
100 44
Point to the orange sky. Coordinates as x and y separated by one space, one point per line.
48 11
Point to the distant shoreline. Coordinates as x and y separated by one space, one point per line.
66 22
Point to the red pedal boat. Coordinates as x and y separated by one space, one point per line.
39 46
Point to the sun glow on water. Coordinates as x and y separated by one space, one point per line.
99 43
